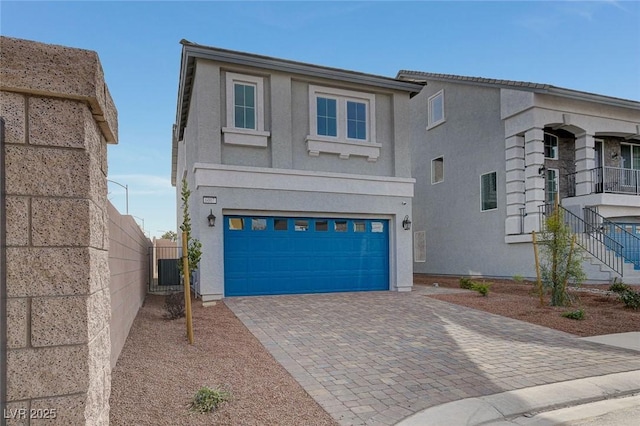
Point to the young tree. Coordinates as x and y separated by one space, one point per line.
194 246
561 259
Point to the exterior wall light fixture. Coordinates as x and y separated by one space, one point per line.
211 219
406 223
541 170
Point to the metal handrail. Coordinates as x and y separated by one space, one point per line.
591 238
630 242
615 180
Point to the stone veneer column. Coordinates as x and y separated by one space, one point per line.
515 181
585 161
534 181
59 116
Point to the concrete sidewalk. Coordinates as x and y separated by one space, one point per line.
520 407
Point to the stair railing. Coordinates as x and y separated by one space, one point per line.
591 238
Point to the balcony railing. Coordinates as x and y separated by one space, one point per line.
614 180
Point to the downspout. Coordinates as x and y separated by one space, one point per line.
3 280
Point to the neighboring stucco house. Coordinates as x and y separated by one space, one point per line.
489 154
307 170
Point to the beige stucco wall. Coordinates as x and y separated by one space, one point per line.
59 117
129 267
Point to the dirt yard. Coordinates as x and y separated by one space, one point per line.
604 314
158 372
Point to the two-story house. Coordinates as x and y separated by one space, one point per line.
307 170
491 156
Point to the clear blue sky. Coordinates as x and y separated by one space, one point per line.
589 46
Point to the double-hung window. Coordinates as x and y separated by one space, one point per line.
327 116
342 122
245 110
244 103
357 120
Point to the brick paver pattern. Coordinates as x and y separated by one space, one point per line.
378 357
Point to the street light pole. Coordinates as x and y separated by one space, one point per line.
126 193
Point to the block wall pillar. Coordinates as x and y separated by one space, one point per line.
58 117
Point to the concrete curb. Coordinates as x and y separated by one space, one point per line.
510 404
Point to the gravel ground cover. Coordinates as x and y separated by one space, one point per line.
604 313
158 373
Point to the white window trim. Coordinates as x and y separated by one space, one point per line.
431 124
238 136
432 170
341 144
557 152
496 207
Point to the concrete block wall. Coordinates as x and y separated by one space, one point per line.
59 117
129 252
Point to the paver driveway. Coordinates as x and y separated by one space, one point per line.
377 357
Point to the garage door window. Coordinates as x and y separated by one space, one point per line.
340 226
301 225
258 224
236 224
377 227
359 226
322 225
281 224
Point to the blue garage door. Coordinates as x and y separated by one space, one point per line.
279 255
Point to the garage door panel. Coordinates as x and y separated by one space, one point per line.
276 255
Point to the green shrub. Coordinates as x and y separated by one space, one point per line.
619 287
174 305
630 298
578 314
206 399
518 278
466 283
482 288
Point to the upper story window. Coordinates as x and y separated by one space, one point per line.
327 116
245 110
342 122
244 102
436 109
356 120
550 146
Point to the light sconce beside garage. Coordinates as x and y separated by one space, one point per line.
406 223
211 218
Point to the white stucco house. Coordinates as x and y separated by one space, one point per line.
487 155
306 168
